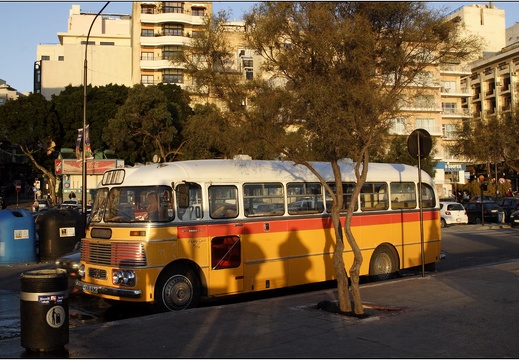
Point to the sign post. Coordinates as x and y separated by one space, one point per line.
18 187
419 145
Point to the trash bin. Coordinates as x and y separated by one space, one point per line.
44 322
59 230
17 237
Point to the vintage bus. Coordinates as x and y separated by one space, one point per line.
221 227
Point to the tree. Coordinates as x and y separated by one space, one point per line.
334 74
102 105
143 126
30 123
398 153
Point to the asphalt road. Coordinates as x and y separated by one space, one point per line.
464 246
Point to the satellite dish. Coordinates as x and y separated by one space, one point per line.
419 137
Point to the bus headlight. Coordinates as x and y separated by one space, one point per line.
123 277
81 270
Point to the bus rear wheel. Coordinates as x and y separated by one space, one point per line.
177 289
383 264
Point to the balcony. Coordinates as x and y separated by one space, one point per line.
463 92
160 64
169 17
454 69
456 112
164 40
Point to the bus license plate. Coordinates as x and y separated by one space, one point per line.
90 288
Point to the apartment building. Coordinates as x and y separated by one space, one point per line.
7 92
160 32
108 53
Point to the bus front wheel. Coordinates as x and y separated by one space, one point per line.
383 264
177 289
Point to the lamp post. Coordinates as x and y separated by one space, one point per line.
84 169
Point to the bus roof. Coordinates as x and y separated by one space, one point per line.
232 171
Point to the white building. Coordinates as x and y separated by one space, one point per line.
109 53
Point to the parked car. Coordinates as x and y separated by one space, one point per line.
486 198
71 204
514 218
509 205
70 263
43 204
452 212
492 212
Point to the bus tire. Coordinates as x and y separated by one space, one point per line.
383 264
177 289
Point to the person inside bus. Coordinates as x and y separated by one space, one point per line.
153 207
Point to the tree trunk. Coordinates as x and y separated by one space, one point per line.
48 174
340 268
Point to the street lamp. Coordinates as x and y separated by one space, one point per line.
84 170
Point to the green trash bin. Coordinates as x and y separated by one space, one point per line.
44 310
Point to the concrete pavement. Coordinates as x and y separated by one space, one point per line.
469 313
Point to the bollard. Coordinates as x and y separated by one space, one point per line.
44 322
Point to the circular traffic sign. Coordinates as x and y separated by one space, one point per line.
419 143
18 186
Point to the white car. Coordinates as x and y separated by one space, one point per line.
452 213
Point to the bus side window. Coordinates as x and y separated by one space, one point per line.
263 199
428 199
194 209
373 196
223 201
305 198
403 195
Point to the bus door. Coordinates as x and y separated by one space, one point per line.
226 262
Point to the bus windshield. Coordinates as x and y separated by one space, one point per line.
133 204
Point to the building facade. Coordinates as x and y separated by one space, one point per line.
108 54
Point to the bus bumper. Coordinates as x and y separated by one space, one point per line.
104 290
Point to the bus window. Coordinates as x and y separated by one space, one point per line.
194 210
263 199
347 191
428 199
99 205
403 195
223 201
373 196
225 252
136 204
305 198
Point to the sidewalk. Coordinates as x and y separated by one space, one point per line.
469 313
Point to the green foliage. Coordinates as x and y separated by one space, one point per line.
143 126
102 105
30 122
397 152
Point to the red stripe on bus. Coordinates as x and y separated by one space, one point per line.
283 224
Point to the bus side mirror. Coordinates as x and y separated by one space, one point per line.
183 196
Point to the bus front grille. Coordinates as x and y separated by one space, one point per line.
113 254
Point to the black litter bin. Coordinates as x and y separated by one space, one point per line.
44 311
59 230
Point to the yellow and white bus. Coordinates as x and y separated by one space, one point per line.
221 227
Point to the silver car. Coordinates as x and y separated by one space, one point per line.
452 213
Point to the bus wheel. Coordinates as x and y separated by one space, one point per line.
383 264
178 289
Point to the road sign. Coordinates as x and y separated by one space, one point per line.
18 186
419 143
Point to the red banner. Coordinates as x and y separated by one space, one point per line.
94 167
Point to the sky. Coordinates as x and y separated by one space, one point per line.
24 25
